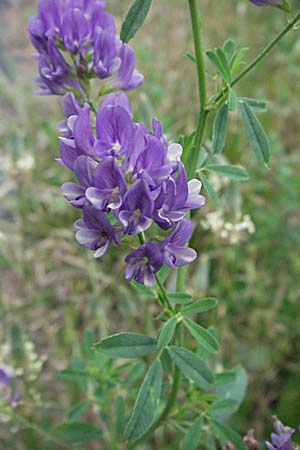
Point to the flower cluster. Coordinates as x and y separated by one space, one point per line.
128 179
282 438
76 41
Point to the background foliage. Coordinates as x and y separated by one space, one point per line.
52 290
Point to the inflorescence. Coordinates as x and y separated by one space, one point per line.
77 41
128 178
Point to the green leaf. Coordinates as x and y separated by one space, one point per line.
255 132
225 377
220 129
224 408
143 289
134 19
146 403
257 105
78 410
202 336
228 48
192 366
233 100
218 60
78 432
227 434
127 345
209 189
205 304
233 172
191 57
192 437
179 298
119 415
167 332
235 389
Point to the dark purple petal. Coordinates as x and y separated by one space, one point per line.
128 77
115 131
83 134
117 99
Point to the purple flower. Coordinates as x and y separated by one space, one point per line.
143 263
85 30
115 131
282 4
8 391
84 169
173 247
282 438
110 186
95 232
137 208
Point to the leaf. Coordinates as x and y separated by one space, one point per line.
227 434
220 65
119 415
146 403
191 57
205 304
143 289
78 410
235 389
233 100
220 129
255 132
209 189
78 432
225 377
134 19
228 48
257 105
192 366
222 409
179 298
233 172
202 336
167 332
192 437
127 345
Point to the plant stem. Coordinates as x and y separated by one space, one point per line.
261 55
199 55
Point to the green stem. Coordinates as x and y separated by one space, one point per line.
261 55
199 55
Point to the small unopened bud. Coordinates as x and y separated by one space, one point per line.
250 441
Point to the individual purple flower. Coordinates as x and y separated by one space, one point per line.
143 263
137 208
8 391
84 169
110 186
115 131
95 232
86 32
177 195
282 438
175 253
282 4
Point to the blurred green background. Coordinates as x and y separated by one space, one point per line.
52 289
